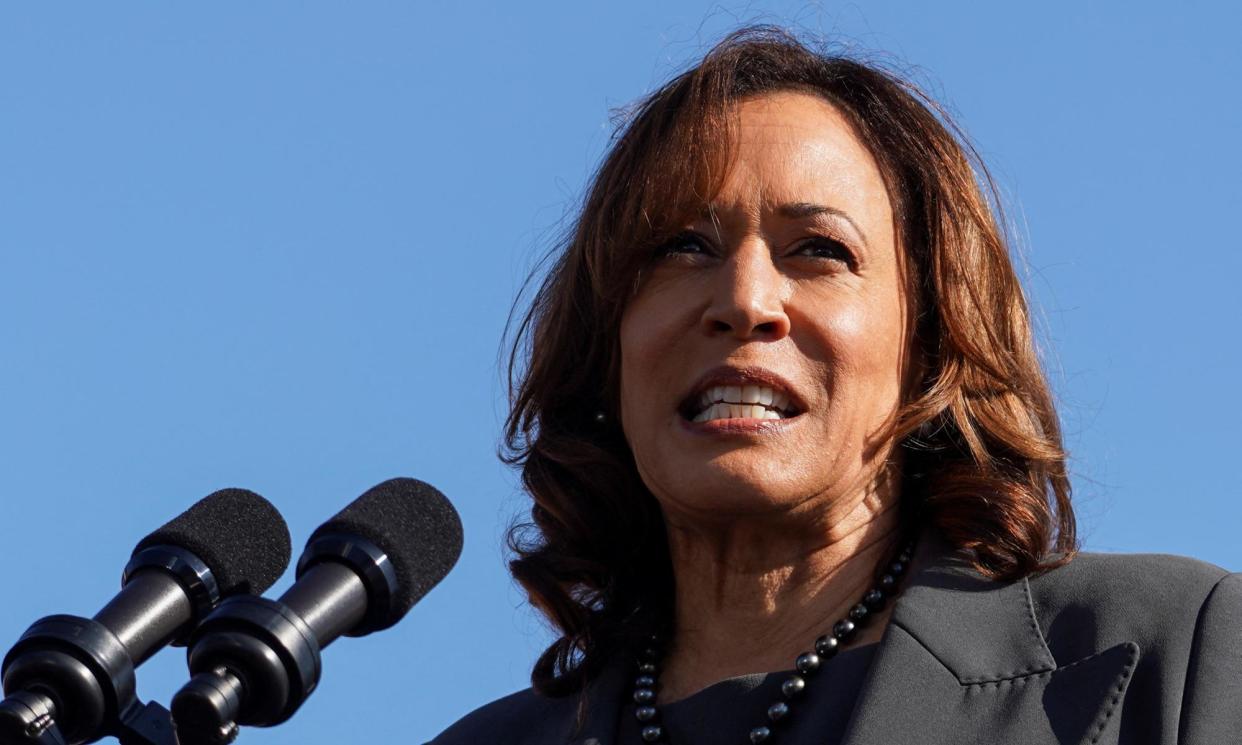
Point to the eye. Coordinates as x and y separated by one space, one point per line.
688 243
825 248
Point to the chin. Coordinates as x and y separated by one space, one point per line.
709 491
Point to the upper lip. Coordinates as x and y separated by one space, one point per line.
725 375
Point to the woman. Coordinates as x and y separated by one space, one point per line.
797 475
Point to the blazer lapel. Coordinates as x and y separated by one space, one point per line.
963 660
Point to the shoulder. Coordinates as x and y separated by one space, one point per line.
1185 617
521 717
1155 600
1170 582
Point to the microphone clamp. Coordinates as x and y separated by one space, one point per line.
254 661
71 679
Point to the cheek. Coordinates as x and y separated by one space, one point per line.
862 348
647 346
631 376
871 344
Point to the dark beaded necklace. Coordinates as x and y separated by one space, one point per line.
807 663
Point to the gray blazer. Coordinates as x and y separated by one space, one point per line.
1132 649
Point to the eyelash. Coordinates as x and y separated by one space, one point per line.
669 247
838 250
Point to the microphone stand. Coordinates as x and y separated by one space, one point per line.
26 719
92 676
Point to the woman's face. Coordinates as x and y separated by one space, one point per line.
764 352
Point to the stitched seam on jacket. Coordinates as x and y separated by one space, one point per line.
1047 665
1101 722
1126 672
1031 675
1039 635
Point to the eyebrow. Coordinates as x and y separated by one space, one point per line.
803 210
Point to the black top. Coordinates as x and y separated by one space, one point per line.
726 712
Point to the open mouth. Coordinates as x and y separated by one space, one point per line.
751 400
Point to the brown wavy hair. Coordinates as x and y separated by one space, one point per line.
983 459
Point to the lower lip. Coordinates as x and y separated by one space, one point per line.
737 426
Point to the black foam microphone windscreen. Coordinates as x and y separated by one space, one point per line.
236 533
411 522
361 572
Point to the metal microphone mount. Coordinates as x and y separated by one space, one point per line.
70 679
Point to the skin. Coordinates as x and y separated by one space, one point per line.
775 528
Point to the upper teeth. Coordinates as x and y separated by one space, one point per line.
742 402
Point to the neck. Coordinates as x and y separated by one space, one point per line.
753 593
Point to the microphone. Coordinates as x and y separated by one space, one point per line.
71 679
254 660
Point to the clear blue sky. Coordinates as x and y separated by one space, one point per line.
273 245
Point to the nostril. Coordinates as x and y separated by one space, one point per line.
721 327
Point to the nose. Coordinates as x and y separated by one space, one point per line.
749 296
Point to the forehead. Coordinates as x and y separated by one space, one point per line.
793 147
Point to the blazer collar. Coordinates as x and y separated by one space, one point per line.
980 630
963 660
